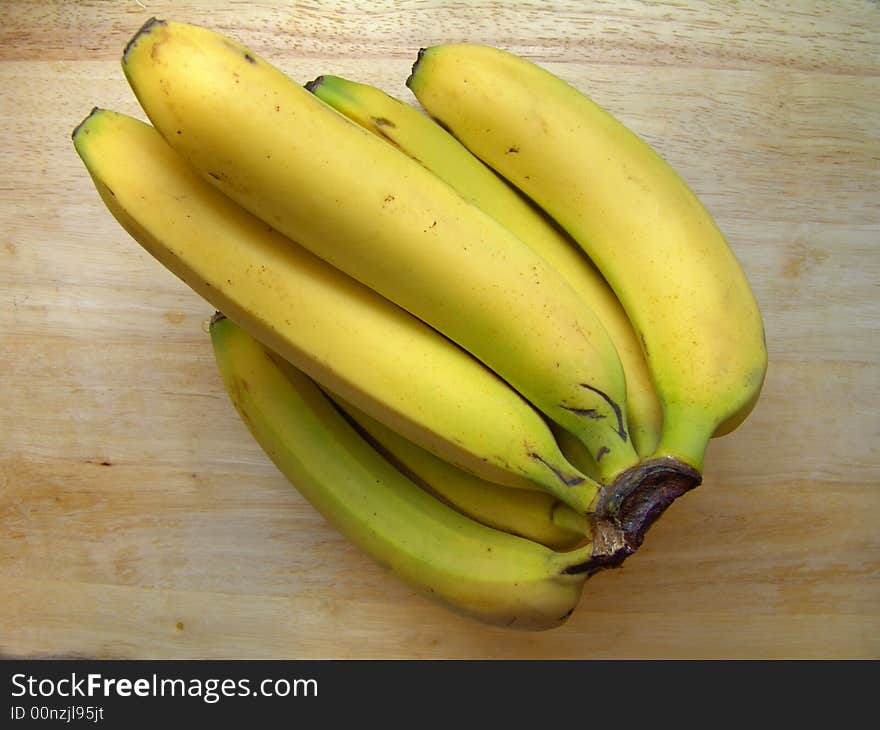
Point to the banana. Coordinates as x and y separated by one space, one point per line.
478 571
574 451
385 220
654 242
342 334
534 515
421 138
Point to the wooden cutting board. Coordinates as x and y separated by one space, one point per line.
139 519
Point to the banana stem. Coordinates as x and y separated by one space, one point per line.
632 503
685 436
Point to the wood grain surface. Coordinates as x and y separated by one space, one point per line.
139 519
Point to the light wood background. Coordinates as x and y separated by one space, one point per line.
139 519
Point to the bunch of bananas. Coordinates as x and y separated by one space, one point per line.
489 342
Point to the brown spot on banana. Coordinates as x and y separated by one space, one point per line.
586 412
618 412
384 135
567 480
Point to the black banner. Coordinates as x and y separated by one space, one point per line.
143 693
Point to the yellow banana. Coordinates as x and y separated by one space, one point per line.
344 335
534 515
645 230
481 572
574 451
378 215
421 138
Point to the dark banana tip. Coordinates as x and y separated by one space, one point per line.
76 129
144 29
216 318
314 83
415 65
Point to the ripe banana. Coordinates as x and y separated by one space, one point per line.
421 138
533 515
342 334
378 215
481 572
645 230
574 451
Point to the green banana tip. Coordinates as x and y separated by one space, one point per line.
143 30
